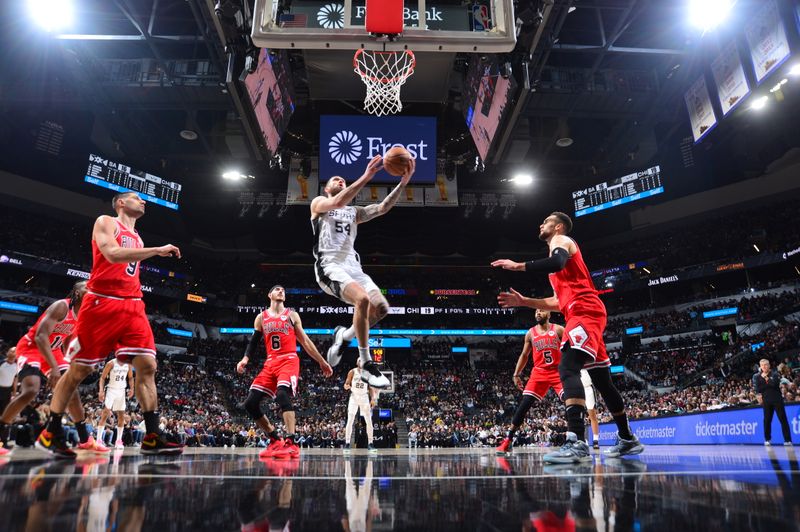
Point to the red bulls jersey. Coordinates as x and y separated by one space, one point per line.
546 349
279 335
61 331
574 283
117 280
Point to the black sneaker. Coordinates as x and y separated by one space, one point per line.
158 444
334 351
55 445
373 376
596 444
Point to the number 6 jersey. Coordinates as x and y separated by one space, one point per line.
279 335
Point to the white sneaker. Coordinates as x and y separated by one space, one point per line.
334 351
119 445
787 444
373 376
767 444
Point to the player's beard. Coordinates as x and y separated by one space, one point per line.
541 322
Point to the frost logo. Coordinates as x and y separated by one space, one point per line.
331 16
345 147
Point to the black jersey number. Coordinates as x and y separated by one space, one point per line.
548 357
275 342
131 268
342 227
57 342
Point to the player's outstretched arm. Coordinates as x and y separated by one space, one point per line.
103 235
322 204
308 345
522 361
561 249
252 345
512 298
370 212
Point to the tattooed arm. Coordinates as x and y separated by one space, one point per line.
370 212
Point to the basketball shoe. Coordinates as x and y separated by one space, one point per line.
154 443
334 351
504 449
54 444
623 447
373 376
574 450
93 446
273 447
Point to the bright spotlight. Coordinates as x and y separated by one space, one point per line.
231 174
759 103
522 179
708 14
51 15
795 70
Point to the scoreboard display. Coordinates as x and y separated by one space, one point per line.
121 178
626 189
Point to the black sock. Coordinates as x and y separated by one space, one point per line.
83 434
151 422
274 436
576 423
289 438
5 431
623 427
54 425
512 431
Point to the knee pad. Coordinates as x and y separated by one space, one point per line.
284 399
253 404
569 369
601 378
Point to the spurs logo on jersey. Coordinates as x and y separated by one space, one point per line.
335 233
358 387
119 376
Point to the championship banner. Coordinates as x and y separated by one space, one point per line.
701 114
412 197
729 76
303 180
766 38
444 194
371 194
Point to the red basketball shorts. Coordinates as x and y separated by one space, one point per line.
584 331
282 370
541 381
28 355
106 325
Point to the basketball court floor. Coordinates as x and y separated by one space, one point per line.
666 488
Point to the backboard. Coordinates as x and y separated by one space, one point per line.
430 26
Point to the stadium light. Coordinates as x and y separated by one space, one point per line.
708 14
759 103
51 15
756 248
795 70
231 174
522 180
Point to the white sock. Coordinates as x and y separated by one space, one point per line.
363 354
349 333
595 437
100 432
119 435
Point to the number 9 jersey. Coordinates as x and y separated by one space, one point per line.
116 280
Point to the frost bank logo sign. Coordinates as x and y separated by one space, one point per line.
347 143
331 16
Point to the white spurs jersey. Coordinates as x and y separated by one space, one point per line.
359 388
118 379
335 236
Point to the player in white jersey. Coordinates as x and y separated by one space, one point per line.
591 407
119 377
362 399
338 268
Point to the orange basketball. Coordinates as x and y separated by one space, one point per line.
396 160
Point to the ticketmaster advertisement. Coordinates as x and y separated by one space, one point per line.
740 426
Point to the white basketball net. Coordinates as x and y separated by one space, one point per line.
384 74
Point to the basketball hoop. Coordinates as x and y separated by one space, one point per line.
384 73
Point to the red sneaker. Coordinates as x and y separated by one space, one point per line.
504 449
55 445
93 446
292 448
4 451
275 446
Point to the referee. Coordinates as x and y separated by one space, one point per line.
767 384
8 377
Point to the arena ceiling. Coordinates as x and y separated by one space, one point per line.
131 75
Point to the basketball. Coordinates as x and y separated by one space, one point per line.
396 160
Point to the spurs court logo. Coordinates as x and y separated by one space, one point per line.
345 147
331 16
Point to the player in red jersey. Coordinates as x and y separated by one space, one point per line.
281 329
544 340
575 296
113 319
40 358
